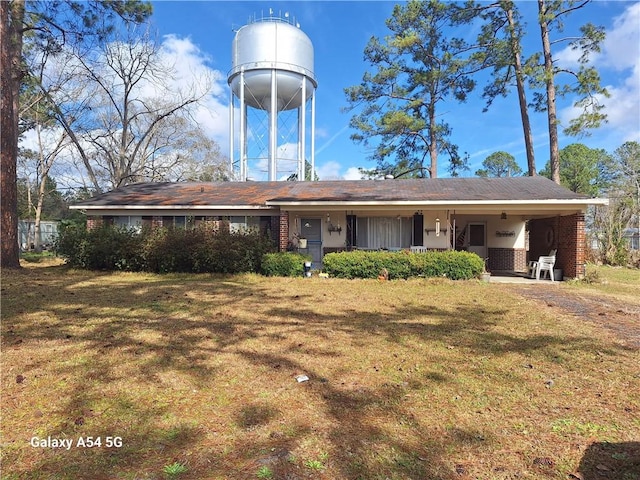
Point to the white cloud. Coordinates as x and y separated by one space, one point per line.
193 71
568 57
352 173
321 132
329 170
332 169
621 49
620 54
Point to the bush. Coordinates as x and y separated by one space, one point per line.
162 250
284 264
363 264
104 248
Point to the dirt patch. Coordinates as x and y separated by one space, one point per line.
621 318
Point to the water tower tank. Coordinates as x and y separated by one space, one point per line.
272 71
259 48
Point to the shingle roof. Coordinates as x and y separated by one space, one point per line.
255 194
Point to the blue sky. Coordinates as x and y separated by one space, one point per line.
203 32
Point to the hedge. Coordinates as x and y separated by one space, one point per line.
368 264
284 264
162 250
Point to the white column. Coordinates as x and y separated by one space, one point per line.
231 132
302 133
243 130
273 127
313 133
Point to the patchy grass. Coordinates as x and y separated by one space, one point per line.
614 282
407 380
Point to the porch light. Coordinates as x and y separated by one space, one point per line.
328 218
437 227
503 216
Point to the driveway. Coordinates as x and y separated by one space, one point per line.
621 318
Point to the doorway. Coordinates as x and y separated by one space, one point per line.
311 229
477 239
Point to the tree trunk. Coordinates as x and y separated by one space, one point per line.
42 191
554 152
433 141
522 98
11 17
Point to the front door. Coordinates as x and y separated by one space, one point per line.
312 231
477 239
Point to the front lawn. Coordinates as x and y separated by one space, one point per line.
195 377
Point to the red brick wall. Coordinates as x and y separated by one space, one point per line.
283 237
567 235
93 222
508 259
571 245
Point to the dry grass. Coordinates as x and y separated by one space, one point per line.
408 380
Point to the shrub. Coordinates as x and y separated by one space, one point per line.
170 249
103 248
71 244
284 264
204 248
364 264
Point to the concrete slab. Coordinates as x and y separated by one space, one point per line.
515 277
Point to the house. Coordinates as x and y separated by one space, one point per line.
27 232
633 237
505 220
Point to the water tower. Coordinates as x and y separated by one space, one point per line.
272 82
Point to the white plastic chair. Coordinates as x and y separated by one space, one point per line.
545 264
533 264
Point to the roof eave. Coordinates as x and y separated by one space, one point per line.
581 202
171 207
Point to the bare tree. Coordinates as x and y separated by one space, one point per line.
45 157
128 113
51 25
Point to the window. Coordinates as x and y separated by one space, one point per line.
384 232
128 221
240 223
178 222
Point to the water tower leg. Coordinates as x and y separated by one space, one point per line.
231 134
313 134
243 131
302 147
273 127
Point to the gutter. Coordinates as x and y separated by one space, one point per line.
427 203
171 207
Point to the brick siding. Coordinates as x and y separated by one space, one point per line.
565 234
508 259
94 222
283 236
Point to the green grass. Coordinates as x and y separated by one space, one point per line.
407 380
618 282
33 257
264 472
174 470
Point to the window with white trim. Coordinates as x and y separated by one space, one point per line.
390 233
